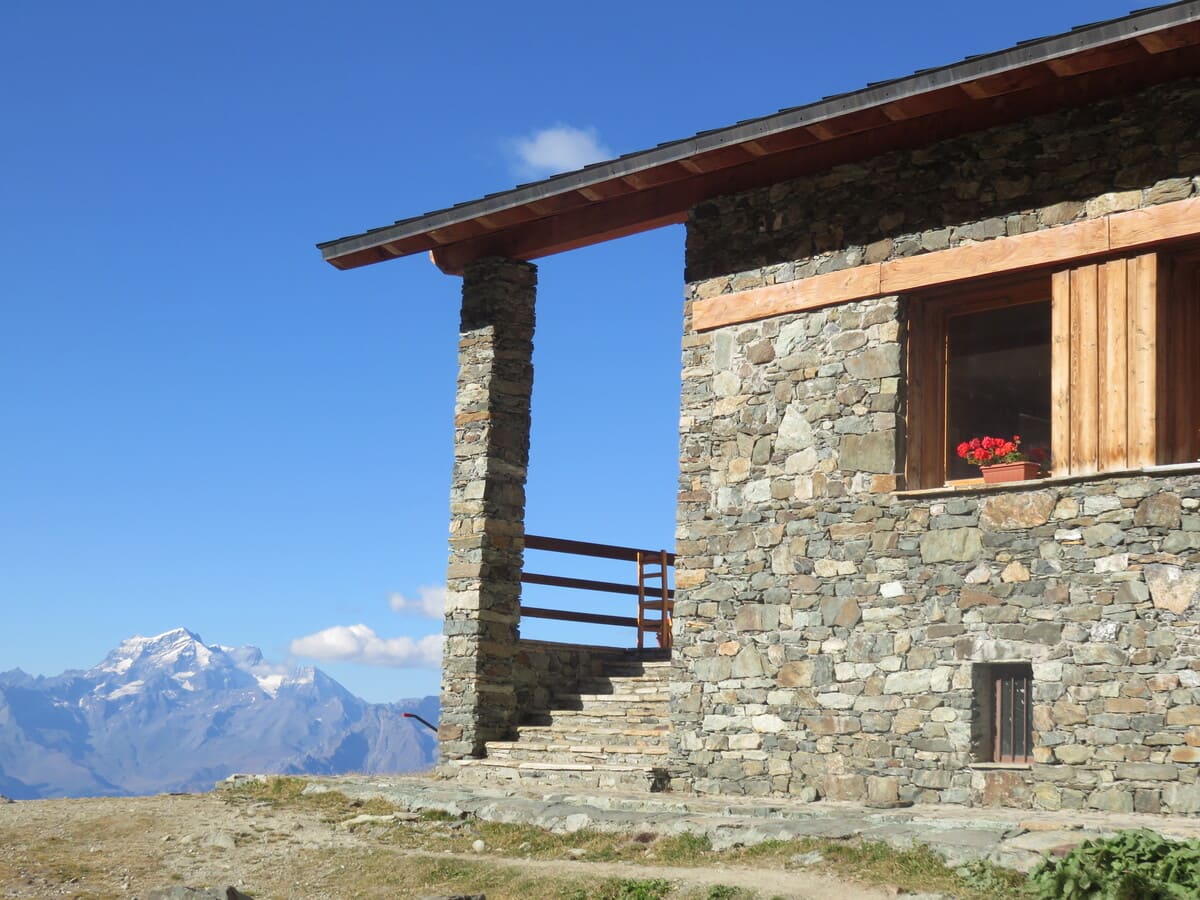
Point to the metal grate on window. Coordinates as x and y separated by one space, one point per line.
1014 714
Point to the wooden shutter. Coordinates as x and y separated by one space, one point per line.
1104 376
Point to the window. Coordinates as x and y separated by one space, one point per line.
979 364
1098 365
998 378
1004 713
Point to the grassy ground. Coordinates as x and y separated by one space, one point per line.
915 870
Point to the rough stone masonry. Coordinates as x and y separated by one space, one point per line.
487 504
828 624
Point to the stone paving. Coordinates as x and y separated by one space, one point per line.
1008 837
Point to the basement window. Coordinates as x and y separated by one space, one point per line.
1004 713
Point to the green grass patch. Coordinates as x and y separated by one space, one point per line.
284 791
683 849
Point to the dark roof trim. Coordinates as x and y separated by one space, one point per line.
468 221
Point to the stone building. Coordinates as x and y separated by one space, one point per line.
1010 243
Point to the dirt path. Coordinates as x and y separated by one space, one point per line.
767 882
131 847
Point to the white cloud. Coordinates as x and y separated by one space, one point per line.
561 148
430 601
360 644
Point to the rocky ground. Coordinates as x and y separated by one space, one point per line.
154 847
360 836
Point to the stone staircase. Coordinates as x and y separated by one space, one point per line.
611 733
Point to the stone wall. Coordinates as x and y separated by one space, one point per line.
487 505
829 626
1050 170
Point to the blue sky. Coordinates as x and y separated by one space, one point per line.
204 425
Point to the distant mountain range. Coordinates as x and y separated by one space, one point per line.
171 713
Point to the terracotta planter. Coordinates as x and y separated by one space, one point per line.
1013 471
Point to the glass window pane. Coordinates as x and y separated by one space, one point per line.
998 380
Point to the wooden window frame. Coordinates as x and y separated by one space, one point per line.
927 388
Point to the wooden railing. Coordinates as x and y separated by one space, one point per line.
651 587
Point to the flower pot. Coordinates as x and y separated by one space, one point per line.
1013 471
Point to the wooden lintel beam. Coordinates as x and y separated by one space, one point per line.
1091 239
1154 224
1010 254
791 296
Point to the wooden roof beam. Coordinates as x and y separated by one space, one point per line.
1100 58
1008 82
712 160
606 190
1171 39
649 178
942 100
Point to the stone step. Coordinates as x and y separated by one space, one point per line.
650 734
655 700
582 701
600 684
598 693
647 671
581 721
607 709
523 757
510 773
577 754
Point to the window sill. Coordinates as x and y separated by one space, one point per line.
949 490
986 766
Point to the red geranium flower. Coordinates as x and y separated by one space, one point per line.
987 450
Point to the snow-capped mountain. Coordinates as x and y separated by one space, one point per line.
171 713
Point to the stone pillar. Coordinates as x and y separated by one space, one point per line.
487 505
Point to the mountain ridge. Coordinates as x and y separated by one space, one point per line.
172 713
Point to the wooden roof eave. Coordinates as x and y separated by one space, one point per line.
657 187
